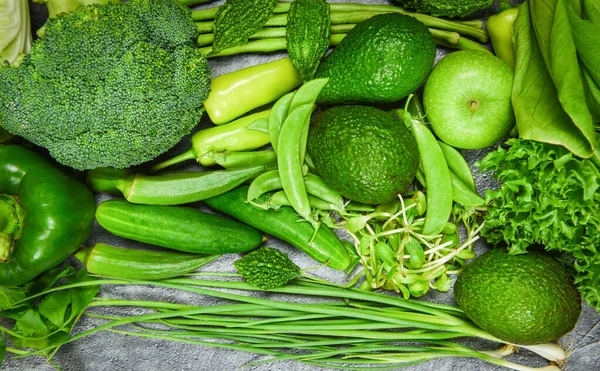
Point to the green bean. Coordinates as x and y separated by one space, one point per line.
458 165
236 160
278 114
288 159
265 182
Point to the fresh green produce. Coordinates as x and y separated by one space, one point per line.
544 51
236 20
463 111
169 189
343 16
43 322
435 169
548 197
307 35
381 60
56 7
322 245
358 327
246 159
176 227
236 93
91 108
499 27
458 165
15 31
292 139
45 214
522 299
363 153
267 268
446 8
397 255
234 136
118 262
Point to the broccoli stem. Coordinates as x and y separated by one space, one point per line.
355 13
272 39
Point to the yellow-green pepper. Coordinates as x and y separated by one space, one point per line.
499 27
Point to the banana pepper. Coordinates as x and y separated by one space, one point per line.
499 27
45 214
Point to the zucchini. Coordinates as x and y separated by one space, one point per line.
286 225
117 262
176 227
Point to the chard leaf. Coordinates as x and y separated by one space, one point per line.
307 35
585 36
538 112
237 20
552 29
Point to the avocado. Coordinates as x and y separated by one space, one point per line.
522 299
364 153
381 60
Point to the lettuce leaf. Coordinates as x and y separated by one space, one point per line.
547 197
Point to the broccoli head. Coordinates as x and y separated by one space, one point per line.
446 8
109 85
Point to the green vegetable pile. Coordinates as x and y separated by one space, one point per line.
112 85
550 197
446 8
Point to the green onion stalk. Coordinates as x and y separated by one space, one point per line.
354 329
344 16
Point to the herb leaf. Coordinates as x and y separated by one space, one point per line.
237 20
307 35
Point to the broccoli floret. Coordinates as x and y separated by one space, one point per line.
267 268
446 8
109 85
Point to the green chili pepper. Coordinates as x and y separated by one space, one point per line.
236 93
45 214
499 27
235 136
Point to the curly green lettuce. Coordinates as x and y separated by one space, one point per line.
547 197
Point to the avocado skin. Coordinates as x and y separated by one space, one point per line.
364 153
381 60
522 299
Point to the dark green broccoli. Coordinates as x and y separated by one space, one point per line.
267 268
110 85
446 8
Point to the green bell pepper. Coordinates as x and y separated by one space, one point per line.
45 215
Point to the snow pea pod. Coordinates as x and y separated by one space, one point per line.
458 165
288 159
278 114
45 214
435 169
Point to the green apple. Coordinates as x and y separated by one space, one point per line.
467 99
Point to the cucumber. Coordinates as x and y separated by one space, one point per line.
286 225
176 227
117 262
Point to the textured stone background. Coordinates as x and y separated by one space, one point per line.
111 351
